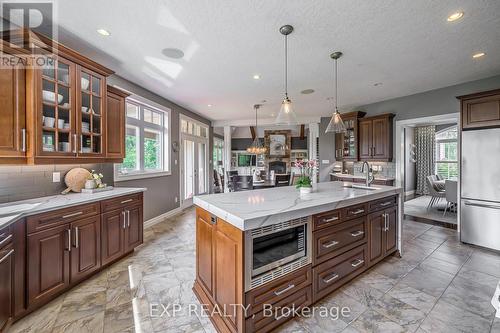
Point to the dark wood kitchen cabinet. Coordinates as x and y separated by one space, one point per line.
12 113
375 138
48 267
86 247
382 229
113 224
115 122
7 278
480 110
133 231
346 144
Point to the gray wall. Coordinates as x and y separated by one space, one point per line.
162 191
27 182
326 150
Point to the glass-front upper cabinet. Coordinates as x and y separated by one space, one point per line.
90 112
57 105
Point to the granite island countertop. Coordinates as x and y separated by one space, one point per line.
252 209
12 211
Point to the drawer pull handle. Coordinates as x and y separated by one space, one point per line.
359 211
279 292
357 233
124 219
128 200
331 278
6 256
357 262
386 203
331 219
71 215
5 240
329 245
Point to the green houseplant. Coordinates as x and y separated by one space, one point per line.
304 182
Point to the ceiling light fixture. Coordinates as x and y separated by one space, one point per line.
478 55
336 125
455 16
103 32
307 91
173 53
256 77
209 105
377 84
286 116
256 147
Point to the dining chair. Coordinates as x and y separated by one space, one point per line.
435 194
451 195
282 180
230 175
242 183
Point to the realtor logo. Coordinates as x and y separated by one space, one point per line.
36 16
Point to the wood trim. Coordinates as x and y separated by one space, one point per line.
252 132
302 131
117 91
479 94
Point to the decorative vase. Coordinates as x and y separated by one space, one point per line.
90 184
305 190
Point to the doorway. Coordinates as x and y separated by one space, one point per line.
193 160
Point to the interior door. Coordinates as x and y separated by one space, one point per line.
194 165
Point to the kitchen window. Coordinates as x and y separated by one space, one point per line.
447 153
146 142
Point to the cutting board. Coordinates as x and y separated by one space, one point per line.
75 179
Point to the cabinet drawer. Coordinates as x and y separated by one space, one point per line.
334 240
277 290
121 202
382 204
5 236
266 321
354 211
332 274
57 217
327 219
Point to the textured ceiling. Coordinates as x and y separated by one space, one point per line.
406 44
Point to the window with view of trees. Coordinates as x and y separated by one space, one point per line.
146 142
447 153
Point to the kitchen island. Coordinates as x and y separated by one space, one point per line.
260 252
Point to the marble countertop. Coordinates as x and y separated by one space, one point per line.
12 211
346 175
252 209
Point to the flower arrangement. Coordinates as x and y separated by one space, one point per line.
97 178
306 171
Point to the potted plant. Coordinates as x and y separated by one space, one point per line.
94 181
304 182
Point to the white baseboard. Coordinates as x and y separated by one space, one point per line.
160 218
409 193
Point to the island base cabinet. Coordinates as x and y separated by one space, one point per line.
48 264
382 228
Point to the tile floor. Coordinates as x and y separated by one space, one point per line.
440 285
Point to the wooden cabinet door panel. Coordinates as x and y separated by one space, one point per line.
86 247
380 138
391 234
115 125
481 112
376 236
204 263
365 139
48 263
6 284
112 235
133 232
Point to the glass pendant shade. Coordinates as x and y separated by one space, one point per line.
336 124
286 116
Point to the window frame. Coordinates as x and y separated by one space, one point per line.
442 141
142 125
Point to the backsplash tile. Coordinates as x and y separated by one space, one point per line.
32 181
388 169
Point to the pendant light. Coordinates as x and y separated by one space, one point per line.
336 125
256 147
286 116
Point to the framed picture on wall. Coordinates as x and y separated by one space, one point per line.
278 143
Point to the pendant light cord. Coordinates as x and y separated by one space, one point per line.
286 66
336 84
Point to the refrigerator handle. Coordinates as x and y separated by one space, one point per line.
481 205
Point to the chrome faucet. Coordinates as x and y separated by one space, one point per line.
369 179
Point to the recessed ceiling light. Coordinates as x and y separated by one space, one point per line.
455 16
263 101
256 77
478 55
209 105
272 114
172 53
103 32
377 84
307 91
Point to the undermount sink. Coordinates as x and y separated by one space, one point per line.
362 187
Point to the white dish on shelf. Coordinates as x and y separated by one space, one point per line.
65 105
49 122
86 150
84 83
49 96
85 109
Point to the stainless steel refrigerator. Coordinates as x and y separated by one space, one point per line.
480 188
